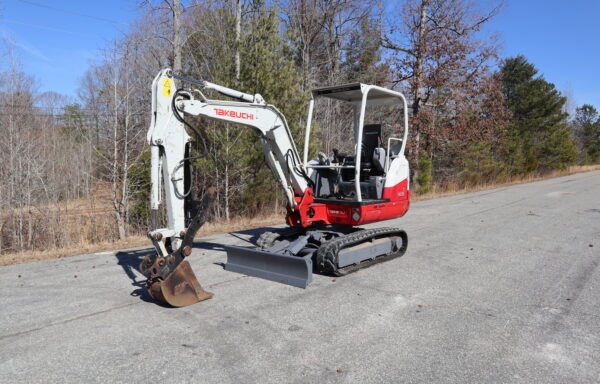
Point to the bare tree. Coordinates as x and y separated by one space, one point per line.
43 165
121 122
437 44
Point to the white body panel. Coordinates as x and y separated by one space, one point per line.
397 172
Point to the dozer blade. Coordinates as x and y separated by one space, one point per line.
291 270
181 288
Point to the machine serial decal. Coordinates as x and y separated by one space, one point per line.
235 114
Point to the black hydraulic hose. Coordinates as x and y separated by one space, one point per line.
179 165
199 82
298 171
181 120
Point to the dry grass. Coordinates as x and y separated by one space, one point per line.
80 249
454 189
240 224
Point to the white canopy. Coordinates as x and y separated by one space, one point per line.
353 92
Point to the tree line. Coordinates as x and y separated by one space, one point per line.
475 117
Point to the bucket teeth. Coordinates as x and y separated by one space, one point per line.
181 288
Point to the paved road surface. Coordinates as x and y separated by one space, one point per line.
497 286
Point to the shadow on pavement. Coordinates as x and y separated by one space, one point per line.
241 235
130 262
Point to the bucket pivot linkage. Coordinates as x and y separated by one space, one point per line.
171 279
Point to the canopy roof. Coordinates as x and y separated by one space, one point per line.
353 92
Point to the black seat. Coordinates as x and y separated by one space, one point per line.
371 138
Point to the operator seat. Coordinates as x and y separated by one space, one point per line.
373 155
371 138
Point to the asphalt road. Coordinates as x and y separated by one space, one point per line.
497 286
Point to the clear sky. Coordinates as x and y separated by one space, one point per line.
57 42
562 39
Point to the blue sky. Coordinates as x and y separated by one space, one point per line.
57 47
561 38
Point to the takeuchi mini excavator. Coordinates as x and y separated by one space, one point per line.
328 198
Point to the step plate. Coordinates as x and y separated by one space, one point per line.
291 270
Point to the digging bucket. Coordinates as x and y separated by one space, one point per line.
180 289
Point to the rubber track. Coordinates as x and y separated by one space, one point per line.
327 254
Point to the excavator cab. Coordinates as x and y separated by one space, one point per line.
374 178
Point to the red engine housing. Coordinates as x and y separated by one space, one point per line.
395 203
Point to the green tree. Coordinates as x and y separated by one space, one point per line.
481 166
363 54
268 68
73 122
424 178
235 162
586 129
139 180
539 138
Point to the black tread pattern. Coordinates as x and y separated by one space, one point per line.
327 254
267 240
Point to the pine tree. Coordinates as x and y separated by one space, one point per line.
540 139
268 68
586 129
235 163
362 60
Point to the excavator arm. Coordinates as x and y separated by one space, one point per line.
170 278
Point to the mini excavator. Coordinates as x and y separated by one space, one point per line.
328 198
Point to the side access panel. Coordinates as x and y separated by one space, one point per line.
291 270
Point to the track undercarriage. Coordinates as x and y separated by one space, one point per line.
292 255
